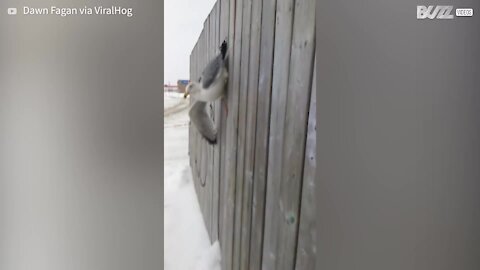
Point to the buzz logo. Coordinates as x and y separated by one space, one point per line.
434 12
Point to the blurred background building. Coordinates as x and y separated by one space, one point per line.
179 87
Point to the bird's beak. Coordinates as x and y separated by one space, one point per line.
185 95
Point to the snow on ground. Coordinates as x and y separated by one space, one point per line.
171 98
186 242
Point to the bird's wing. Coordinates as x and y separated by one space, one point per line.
203 123
211 71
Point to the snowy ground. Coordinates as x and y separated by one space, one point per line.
186 242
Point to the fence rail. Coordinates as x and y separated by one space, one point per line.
256 185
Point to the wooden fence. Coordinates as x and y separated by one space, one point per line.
256 185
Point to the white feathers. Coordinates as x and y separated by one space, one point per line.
209 87
204 124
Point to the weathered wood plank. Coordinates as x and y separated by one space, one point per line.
242 104
250 129
209 179
216 148
222 25
283 38
231 142
211 107
298 97
190 142
226 7
190 126
306 249
206 153
197 135
262 132
202 152
194 130
201 140
194 151
213 184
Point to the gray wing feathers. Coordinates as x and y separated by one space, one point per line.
211 71
203 123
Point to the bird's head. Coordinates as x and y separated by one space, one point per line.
191 89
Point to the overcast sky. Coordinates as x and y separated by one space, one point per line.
183 24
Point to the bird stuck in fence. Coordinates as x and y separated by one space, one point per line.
209 87
211 84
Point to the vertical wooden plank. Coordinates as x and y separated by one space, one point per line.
208 168
216 148
193 150
194 130
195 133
190 127
306 249
214 117
231 142
250 127
201 145
210 151
205 154
224 35
193 138
205 146
242 103
298 97
190 75
262 132
203 172
283 38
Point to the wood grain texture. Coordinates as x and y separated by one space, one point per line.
208 188
250 129
202 143
281 70
217 147
298 98
224 35
231 140
262 131
241 130
306 249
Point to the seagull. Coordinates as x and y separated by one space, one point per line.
211 85
200 118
